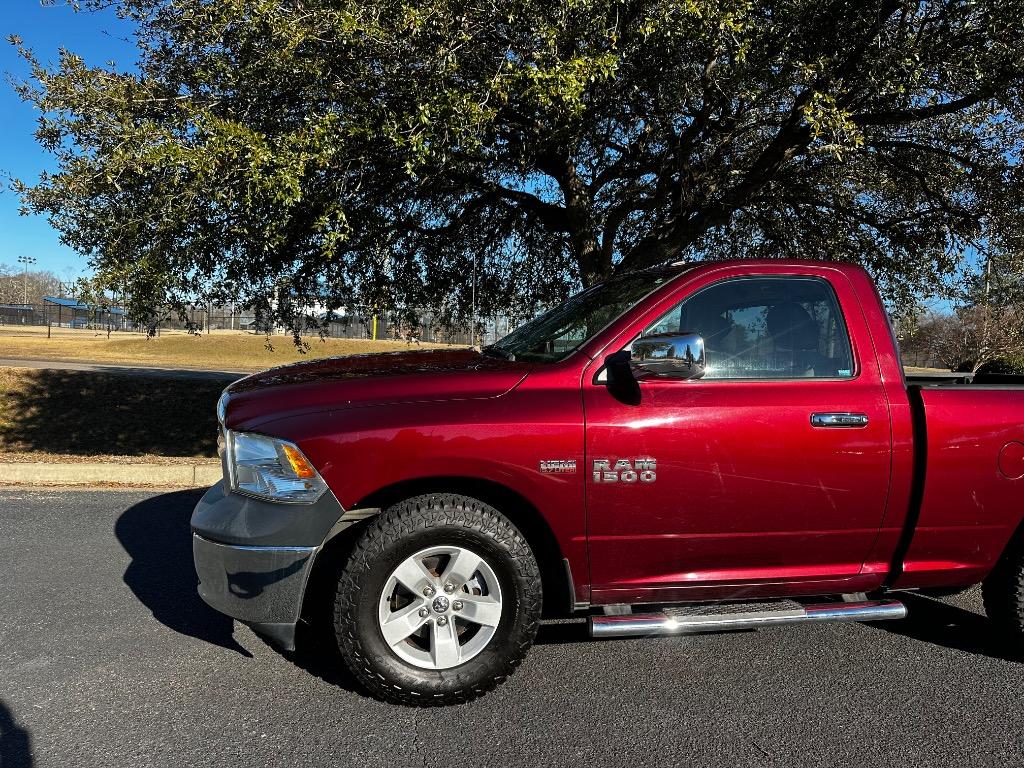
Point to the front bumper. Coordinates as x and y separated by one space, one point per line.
257 585
253 557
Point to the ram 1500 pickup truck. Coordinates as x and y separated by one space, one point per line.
693 448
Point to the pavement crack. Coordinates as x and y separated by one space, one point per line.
416 748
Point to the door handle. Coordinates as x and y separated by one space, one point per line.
839 419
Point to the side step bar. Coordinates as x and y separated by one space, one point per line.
722 617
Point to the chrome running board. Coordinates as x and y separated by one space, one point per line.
723 617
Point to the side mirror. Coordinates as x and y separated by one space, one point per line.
669 356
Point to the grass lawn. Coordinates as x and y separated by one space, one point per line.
48 412
230 351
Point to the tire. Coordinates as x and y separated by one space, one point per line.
1003 595
504 592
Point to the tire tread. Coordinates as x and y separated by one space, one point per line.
1003 594
407 518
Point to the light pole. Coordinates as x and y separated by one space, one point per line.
472 321
26 260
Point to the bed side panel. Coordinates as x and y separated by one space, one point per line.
973 499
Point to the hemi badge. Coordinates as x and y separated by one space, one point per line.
558 466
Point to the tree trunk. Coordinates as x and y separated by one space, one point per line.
584 244
589 259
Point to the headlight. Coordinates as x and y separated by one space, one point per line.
271 469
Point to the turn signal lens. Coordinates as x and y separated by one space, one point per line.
300 466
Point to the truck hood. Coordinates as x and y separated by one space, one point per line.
364 380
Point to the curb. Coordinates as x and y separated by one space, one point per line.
164 475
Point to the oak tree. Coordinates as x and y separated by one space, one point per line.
381 151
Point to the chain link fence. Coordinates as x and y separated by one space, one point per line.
356 323
50 315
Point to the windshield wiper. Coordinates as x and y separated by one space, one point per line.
494 351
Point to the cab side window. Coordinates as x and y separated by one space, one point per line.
766 328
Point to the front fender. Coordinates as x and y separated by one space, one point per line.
501 441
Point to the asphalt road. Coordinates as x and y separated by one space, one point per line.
108 658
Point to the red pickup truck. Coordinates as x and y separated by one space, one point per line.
693 448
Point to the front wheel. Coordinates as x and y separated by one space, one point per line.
438 603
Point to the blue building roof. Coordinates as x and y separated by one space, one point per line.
75 304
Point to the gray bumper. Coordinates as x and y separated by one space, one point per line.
257 585
253 558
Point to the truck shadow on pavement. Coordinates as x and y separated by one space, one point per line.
15 742
317 653
157 535
949 626
928 620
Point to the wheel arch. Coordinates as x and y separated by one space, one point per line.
555 578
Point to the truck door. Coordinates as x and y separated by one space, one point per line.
747 476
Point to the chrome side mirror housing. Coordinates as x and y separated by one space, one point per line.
669 356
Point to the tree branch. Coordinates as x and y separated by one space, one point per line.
900 116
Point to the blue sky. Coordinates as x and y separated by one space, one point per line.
98 38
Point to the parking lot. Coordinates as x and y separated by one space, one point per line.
108 658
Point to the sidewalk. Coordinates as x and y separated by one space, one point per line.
113 470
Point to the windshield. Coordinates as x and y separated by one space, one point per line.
554 334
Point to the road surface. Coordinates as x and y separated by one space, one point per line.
108 658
